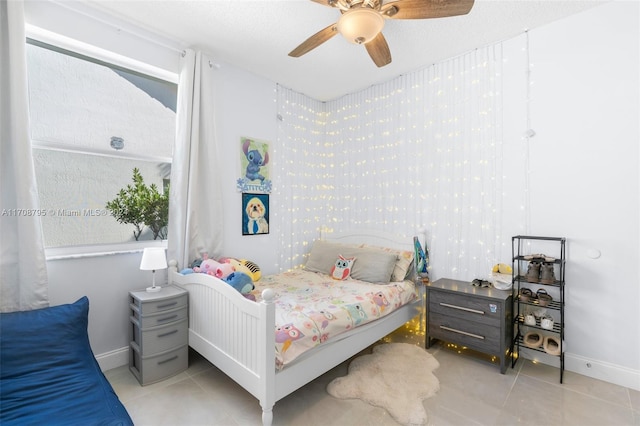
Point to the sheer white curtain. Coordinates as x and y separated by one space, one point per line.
23 269
421 151
299 204
195 221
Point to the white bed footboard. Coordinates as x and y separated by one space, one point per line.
232 332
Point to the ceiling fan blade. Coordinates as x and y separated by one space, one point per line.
379 50
314 41
423 9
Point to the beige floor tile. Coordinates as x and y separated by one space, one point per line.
472 392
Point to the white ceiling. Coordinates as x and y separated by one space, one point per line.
257 35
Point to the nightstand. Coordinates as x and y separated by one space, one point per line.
474 317
158 333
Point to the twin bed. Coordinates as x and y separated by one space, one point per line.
303 322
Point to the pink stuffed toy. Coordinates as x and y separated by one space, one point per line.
224 270
209 266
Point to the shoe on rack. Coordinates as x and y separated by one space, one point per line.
539 257
547 275
533 339
526 295
551 345
533 272
544 298
547 322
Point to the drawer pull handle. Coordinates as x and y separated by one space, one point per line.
165 319
462 308
166 305
462 332
168 334
168 360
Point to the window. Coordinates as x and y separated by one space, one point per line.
92 124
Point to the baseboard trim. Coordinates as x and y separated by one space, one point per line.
607 372
604 371
113 359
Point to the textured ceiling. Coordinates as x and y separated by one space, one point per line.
258 35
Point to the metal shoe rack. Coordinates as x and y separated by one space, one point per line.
523 247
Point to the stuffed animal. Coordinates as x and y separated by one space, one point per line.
209 266
240 281
245 266
341 270
224 270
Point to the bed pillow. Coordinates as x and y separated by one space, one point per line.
374 266
402 267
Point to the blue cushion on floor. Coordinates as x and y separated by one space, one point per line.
49 374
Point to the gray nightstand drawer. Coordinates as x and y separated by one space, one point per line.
467 333
159 339
158 367
156 306
471 308
160 318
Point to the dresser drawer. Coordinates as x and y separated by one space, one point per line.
459 330
160 318
159 339
155 306
466 307
158 367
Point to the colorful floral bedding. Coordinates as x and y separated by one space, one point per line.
312 308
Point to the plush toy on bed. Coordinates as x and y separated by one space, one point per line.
241 282
243 265
341 270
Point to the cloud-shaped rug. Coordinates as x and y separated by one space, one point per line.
396 377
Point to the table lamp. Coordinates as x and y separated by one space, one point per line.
153 258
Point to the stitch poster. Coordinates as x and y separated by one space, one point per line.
254 164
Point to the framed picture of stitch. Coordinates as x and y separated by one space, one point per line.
255 214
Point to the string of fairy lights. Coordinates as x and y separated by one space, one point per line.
423 150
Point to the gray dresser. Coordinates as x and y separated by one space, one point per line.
158 333
474 317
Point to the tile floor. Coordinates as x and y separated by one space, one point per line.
472 392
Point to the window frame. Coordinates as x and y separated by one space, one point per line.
68 46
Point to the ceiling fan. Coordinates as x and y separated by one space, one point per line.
361 22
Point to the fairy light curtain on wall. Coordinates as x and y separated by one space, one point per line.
421 151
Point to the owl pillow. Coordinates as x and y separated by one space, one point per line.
342 268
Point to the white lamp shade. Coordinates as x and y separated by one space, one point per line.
360 25
153 258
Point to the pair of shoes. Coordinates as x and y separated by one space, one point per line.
540 272
480 283
539 258
535 340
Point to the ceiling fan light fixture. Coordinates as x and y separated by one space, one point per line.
360 25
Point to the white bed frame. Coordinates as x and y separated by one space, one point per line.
237 335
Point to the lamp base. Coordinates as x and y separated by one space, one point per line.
154 289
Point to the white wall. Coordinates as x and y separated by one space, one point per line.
583 184
245 107
583 174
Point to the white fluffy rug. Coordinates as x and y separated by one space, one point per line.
396 377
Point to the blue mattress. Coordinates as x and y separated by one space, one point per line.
48 373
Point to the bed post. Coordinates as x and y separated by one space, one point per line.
267 367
